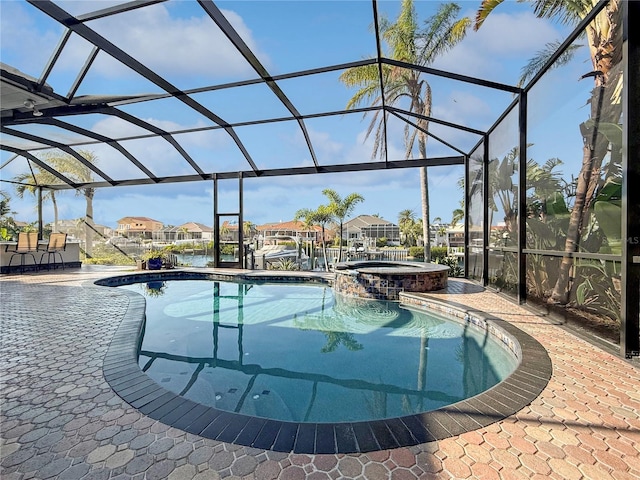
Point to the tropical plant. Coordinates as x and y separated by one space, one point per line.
458 214
224 230
80 174
154 289
438 253
30 183
284 264
247 228
4 203
442 232
501 187
340 208
408 43
406 223
107 255
182 233
605 49
334 339
8 227
153 254
455 270
599 289
320 216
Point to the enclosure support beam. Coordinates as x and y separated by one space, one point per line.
486 228
216 227
467 200
522 199
40 224
630 284
240 222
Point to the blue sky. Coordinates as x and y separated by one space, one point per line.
175 40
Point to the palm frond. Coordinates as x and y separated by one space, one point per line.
378 140
486 7
442 32
540 59
360 76
400 35
568 12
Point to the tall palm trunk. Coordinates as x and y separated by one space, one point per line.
324 251
340 243
424 174
55 212
424 190
422 365
89 224
605 53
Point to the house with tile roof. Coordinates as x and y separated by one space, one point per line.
138 227
298 229
190 231
367 229
229 231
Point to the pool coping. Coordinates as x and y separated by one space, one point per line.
124 375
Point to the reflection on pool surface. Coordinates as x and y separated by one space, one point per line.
295 352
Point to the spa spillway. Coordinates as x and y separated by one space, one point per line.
385 280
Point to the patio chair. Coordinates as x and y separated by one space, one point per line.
27 245
57 244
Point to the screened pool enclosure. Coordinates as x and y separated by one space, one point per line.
110 96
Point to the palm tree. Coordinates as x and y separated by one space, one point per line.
225 230
5 209
80 173
341 208
320 216
8 227
182 233
247 228
458 214
412 45
605 49
29 183
501 186
406 222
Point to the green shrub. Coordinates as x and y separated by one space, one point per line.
284 264
103 255
111 259
416 252
227 249
438 253
455 270
381 242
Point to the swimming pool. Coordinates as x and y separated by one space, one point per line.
299 353
150 397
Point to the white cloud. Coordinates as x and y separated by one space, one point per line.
114 127
26 45
489 52
181 46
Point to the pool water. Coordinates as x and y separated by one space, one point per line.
296 352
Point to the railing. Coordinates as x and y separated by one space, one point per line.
391 254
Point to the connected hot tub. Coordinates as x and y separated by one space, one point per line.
385 280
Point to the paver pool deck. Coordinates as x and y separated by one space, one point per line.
59 418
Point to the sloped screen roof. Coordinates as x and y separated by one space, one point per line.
183 91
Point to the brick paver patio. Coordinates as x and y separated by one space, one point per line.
60 419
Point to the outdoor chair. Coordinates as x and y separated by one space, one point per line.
27 245
57 244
